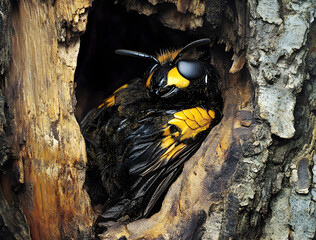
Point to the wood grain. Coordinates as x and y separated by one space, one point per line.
205 178
46 138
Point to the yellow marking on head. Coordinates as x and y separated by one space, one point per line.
149 79
167 56
175 78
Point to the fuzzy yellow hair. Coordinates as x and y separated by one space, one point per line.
167 55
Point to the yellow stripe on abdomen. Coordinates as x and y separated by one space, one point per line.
192 121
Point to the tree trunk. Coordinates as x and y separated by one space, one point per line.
48 172
252 178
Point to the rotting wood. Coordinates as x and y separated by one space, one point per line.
253 185
269 171
180 14
205 176
46 139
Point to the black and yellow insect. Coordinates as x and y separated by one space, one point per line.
139 138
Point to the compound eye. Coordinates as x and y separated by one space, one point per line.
191 69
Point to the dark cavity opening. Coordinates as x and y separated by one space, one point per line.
100 71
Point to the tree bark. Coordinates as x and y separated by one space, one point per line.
252 178
49 169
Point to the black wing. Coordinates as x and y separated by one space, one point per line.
138 149
153 158
90 128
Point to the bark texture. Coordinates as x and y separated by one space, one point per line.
280 50
49 168
252 178
12 220
5 47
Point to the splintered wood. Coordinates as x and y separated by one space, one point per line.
46 137
199 192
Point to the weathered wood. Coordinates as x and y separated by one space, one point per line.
46 137
251 179
181 14
200 188
12 220
248 181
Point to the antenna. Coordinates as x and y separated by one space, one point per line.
191 45
131 53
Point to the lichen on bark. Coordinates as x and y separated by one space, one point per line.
254 176
273 134
280 184
276 58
